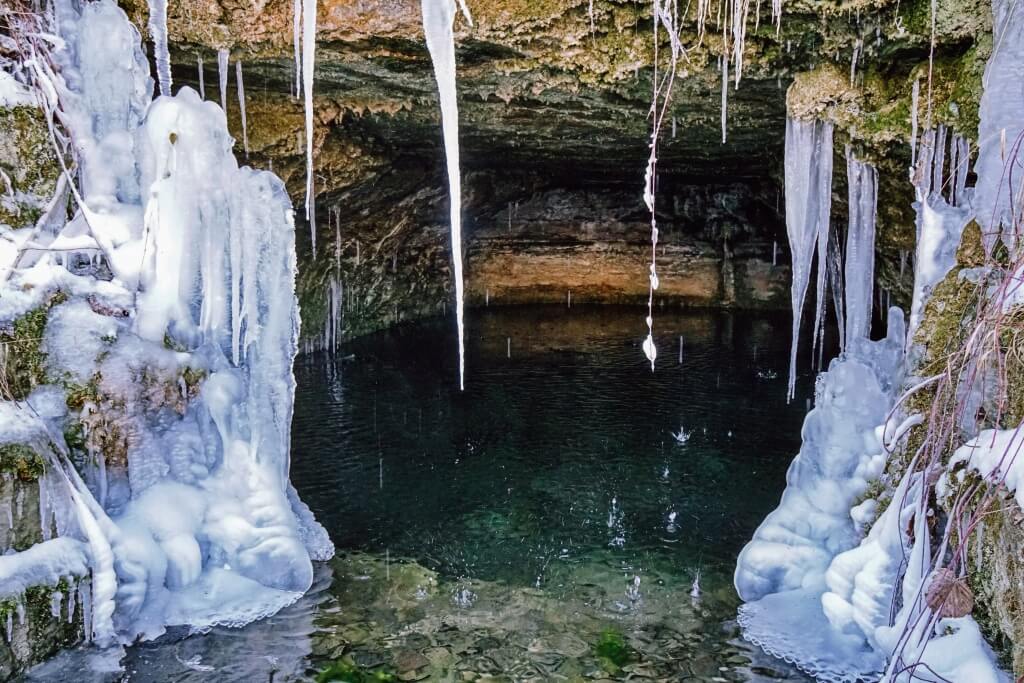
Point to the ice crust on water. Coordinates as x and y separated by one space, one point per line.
438 17
205 528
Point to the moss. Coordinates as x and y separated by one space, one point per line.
77 395
347 672
22 461
27 159
612 650
24 360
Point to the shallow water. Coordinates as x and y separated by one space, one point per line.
546 524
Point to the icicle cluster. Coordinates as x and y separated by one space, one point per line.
808 177
862 180
204 528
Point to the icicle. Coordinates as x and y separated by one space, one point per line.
438 19
241 106
725 95
222 73
739 36
158 30
297 43
308 59
857 47
860 246
775 252
954 164
808 170
824 207
914 100
963 166
673 128
939 159
202 78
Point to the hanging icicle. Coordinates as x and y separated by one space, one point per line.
158 30
308 60
297 44
808 171
862 180
438 20
202 78
222 74
241 106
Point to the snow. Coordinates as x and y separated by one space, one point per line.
862 180
438 17
158 30
1002 102
808 171
994 454
13 93
44 563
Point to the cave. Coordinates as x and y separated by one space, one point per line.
507 340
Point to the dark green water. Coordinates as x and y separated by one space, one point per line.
564 450
518 530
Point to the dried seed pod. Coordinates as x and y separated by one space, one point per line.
949 595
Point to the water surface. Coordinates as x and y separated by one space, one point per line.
548 523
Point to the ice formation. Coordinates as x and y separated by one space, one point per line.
664 17
241 105
1002 101
222 78
832 585
200 526
808 171
862 181
158 30
438 20
841 453
308 61
202 77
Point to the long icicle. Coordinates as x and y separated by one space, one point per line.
297 44
158 30
202 77
222 77
241 106
308 60
438 19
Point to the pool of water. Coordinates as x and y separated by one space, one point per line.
548 523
